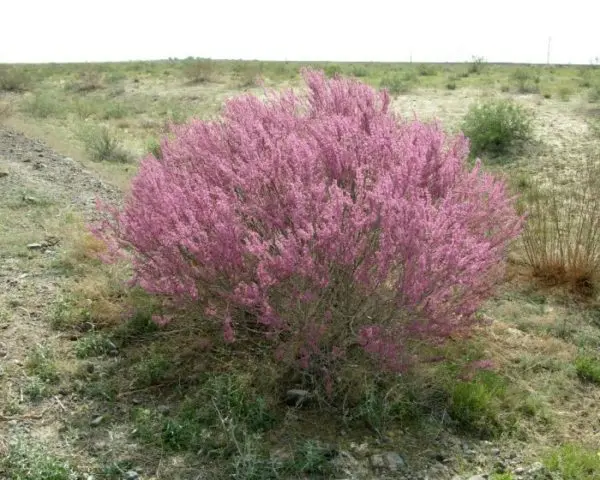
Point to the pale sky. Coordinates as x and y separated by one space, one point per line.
369 30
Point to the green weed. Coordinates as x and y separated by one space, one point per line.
574 462
497 127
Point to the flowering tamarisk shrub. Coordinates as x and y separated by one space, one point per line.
331 224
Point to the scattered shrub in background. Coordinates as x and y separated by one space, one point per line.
101 145
496 127
333 69
322 221
564 93
89 80
360 71
562 234
44 105
427 70
246 74
13 79
203 70
476 66
527 80
397 83
153 147
594 93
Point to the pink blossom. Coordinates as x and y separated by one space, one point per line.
323 214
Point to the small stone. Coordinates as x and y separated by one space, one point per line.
477 477
131 475
163 410
394 461
495 451
97 420
296 397
377 461
34 246
536 467
3 350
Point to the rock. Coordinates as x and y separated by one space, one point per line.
477 477
3 350
394 461
163 409
35 246
519 470
378 461
97 420
389 461
131 475
361 450
296 397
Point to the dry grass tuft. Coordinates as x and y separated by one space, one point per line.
562 235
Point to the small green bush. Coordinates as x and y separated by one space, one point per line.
588 368
427 70
474 405
333 69
594 93
44 105
360 71
202 70
13 80
153 147
451 85
398 83
564 93
528 81
496 127
477 65
101 145
574 462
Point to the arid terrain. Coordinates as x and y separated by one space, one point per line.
91 388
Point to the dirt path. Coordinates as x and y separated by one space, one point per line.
42 196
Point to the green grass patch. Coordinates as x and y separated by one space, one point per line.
574 462
497 127
588 368
31 461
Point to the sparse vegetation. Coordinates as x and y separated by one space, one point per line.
562 235
90 369
102 145
27 460
588 368
399 83
574 462
527 80
44 105
200 71
13 79
497 127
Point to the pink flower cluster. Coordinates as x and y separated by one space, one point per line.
323 217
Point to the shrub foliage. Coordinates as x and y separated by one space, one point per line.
497 126
328 222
